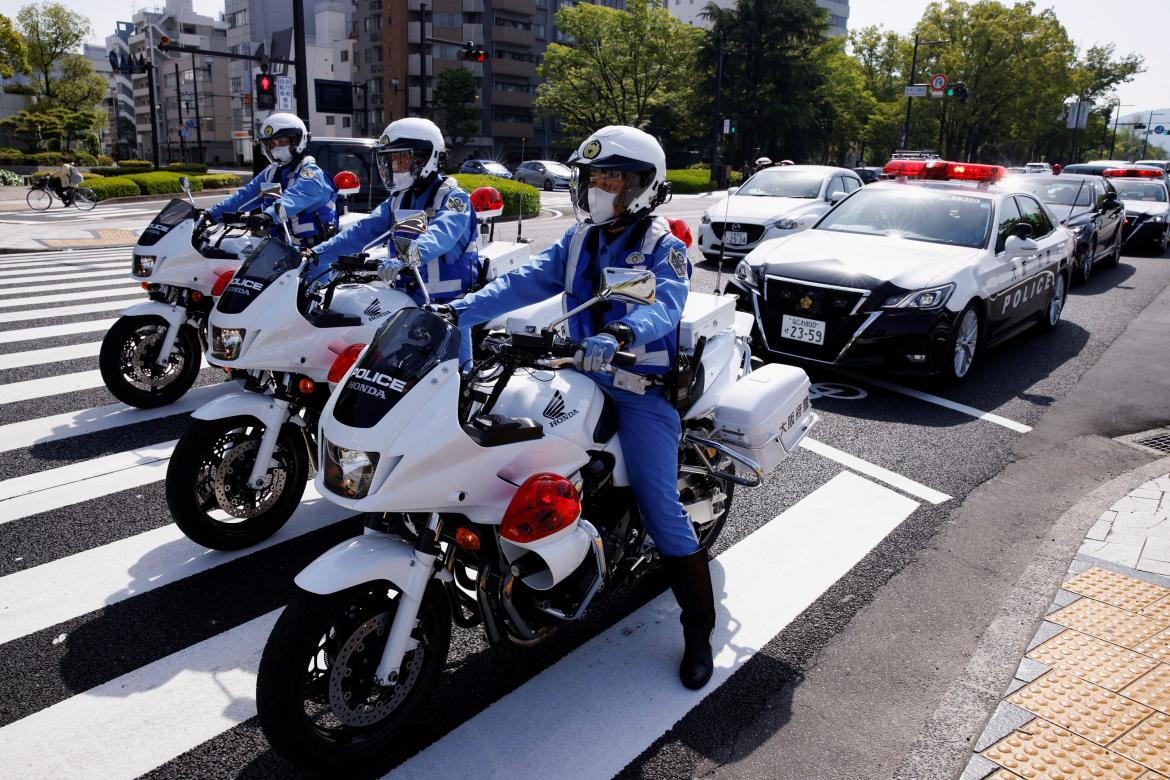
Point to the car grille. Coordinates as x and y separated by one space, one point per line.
836 307
754 232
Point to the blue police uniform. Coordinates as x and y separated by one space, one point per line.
648 426
309 198
450 260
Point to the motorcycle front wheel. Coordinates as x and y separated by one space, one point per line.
128 367
207 483
318 703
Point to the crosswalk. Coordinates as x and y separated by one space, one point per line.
99 214
136 647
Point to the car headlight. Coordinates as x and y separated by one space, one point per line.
783 224
929 298
706 220
349 472
1077 231
1158 218
745 274
144 265
226 342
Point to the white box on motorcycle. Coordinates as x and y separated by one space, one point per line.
765 414
703 316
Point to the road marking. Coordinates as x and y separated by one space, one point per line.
891 478
77 259
42 491
53 286
127 291
49 385
50 331
621 687
132 724
66 588
19 275
37 357
953 405
62 311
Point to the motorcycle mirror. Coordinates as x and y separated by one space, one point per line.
272 189
628 286
185 183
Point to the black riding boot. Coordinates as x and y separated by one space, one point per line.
690 580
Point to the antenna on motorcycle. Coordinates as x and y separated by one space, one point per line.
722 239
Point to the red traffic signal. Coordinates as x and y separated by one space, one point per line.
473 52
265 92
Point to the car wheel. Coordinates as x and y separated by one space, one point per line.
1114 256
1055 305
548 185
1085 270
1160 248
955 363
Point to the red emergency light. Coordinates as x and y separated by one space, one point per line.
942 170
1135 173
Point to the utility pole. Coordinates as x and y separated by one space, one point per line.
301 87
910 83
179 107
1116 119
718 109
149 68
198 119
1146 141
422 96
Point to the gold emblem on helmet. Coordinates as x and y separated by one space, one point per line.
805 303
267 130
384 140
591 150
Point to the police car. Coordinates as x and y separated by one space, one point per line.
1143 192
917 274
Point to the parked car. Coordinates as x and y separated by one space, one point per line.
335 155
869 174
1163 164
1016 169
486 168
548 175
775 202
1089 207
1146 198
1037 167
1095 167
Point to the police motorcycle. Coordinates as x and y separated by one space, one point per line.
496 498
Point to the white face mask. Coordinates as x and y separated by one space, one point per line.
600 205
403 180
281 154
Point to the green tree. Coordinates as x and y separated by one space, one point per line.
50 31
13 52
455 97
625 67
34 129
846 104
79 87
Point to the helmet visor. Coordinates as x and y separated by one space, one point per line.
399 167
601 195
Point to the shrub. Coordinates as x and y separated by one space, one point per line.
139 164
90 175
103 159
514 193
187 167
13 157
10 150
159 182
217 181
107 171
690 181
112 187
10 179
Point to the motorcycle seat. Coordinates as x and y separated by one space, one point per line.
493 430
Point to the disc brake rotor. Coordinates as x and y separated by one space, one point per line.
230 482
143 371
354 697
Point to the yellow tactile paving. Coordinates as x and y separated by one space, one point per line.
1157 646
1159 610
1148 742
1152 688
1002 774
1104 663
1116 589
1043 750
1079 706
1108 622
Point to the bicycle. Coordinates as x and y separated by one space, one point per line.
40 197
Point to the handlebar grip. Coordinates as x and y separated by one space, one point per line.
351 262
624 359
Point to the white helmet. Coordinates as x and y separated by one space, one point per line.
763 162
284 125
611 151
409 150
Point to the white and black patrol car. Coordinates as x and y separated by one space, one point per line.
1143 192
916 274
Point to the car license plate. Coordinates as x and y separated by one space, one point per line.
736 237
801 329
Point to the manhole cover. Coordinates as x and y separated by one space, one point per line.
1155 440
1160 442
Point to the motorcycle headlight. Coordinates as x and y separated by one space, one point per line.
706 220
745 274
349 472
930 298
144 265
783 224
226 343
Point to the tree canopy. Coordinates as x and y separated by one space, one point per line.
455 98
13 52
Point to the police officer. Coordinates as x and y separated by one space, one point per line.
309 197
411 154
618 178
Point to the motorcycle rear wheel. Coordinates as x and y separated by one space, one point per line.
317 702
212 462
126 361
708 533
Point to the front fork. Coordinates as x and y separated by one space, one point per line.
410 596
274 421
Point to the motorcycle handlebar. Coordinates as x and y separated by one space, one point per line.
571 348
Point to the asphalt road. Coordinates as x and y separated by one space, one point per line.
125 649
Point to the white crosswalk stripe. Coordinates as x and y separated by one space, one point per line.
100 285
17 275
31 389
64 311
37 357
122 291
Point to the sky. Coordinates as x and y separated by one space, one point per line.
1141 26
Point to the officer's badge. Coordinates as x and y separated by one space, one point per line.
635 258
457 204
591 150
267 130
678 261
306 173
430 213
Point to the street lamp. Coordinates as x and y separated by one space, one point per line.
1116 118
913 74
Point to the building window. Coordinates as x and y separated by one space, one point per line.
345 121
237 85
838 21
330 119
345 55
446 19
189 29
513 23
237 19
374 54
538 29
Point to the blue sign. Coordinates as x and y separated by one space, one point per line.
191 123
1160 129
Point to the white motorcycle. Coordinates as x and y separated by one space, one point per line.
498 498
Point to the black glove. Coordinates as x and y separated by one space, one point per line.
443 310
259 221
620 331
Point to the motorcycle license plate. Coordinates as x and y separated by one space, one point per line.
736 237
801 329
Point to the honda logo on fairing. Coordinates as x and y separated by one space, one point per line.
374 310
555 410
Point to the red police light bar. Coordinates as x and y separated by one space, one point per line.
941 170
1135 173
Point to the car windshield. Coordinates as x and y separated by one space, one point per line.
557 168
1141 190
1056 191
264 264
495 167
776 183
913 214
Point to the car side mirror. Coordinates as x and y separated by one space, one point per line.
731 191
1111 203
1023 230
1020 246
836 196
628 286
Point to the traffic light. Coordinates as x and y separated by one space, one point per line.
959 90
163 41
473 52
265 92
731 128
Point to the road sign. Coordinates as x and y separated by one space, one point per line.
191 123
938 82
284 93
726 125
917 90
1076 114
1160 129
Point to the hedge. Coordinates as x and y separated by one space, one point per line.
514 192
112 187
217 181
140 164
105 159
187 167
688 181
44 158
160 182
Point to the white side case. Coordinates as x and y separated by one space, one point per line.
765 414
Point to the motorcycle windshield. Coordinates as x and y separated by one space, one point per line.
405 349
172 214
268 260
